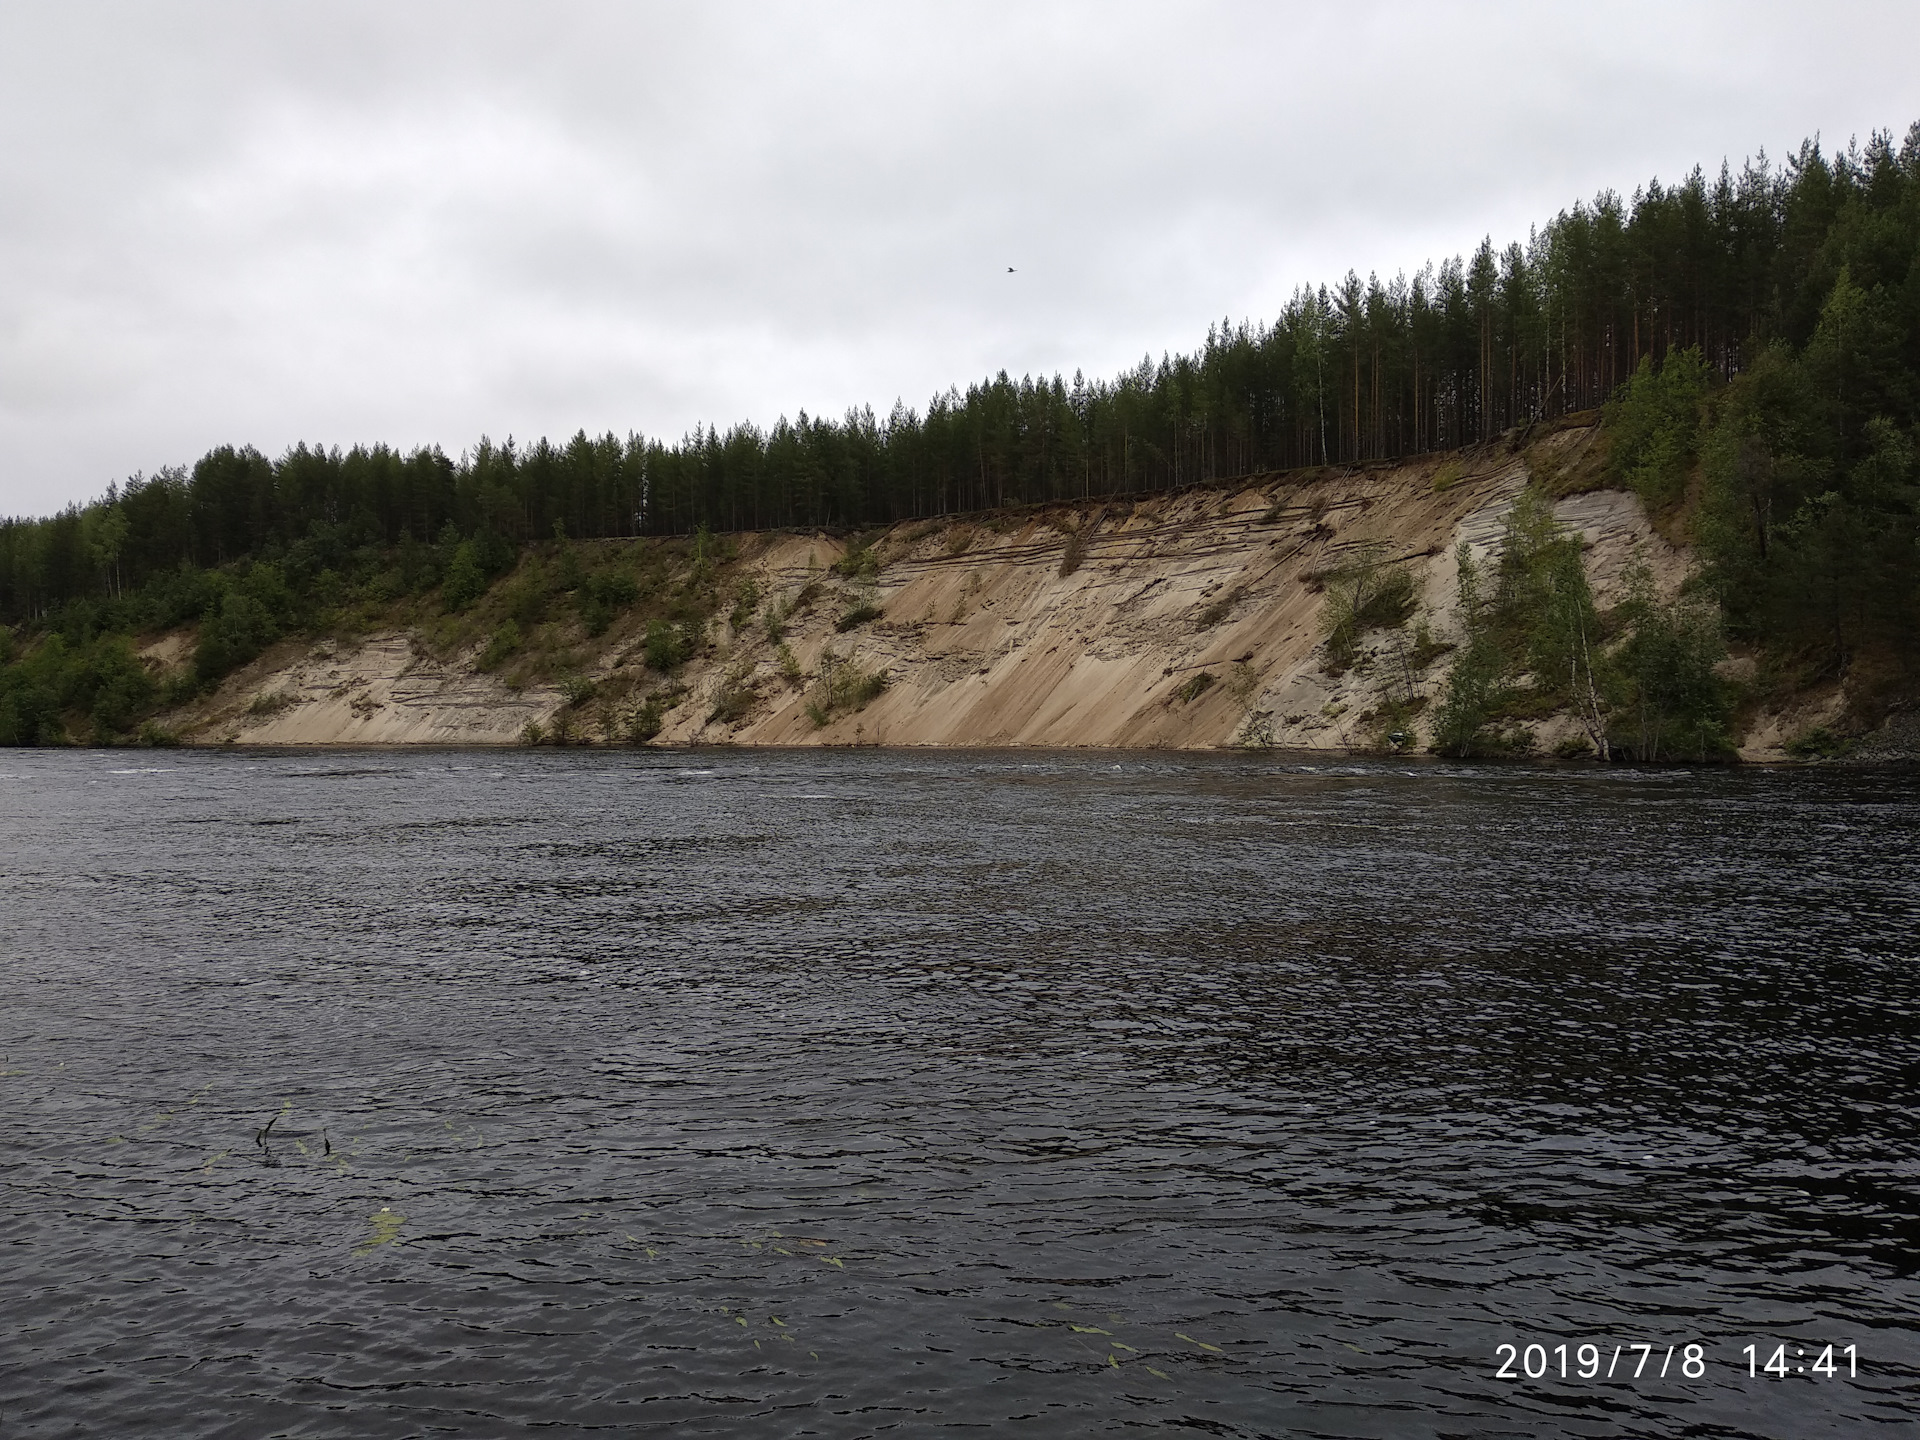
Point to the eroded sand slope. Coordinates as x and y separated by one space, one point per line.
1003 635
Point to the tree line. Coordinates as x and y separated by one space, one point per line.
1755 337
1361 370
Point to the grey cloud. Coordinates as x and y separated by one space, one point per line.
232 222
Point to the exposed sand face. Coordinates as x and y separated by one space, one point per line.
986 643
383 691
994 646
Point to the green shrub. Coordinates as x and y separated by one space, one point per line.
841 685
666 647
860 563
614 587
231 635
1255 732
1817 743
1075 554
646 720
866 688
568 572
180 687
1195 688
1219 610
466 578
746 596
1653 424
734 697
527 596
113 686
505 643
29 711
1369 592
1476 683
1677 704
1545 608
859 615
595 618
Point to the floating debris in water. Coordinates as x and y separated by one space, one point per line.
386 1229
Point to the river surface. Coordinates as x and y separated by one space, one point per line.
884 1093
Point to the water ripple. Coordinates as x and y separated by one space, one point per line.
855 1093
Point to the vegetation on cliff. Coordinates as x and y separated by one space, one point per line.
1755 340
1641 677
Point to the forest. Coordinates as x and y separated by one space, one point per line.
1753 340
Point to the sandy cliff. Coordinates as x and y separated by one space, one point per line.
1185 620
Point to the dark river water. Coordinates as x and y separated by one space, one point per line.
878 1093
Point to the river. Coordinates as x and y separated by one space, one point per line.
849 1093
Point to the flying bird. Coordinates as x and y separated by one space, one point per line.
1010 270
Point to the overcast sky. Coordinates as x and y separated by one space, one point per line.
259 223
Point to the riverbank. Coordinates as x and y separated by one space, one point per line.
1189 620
